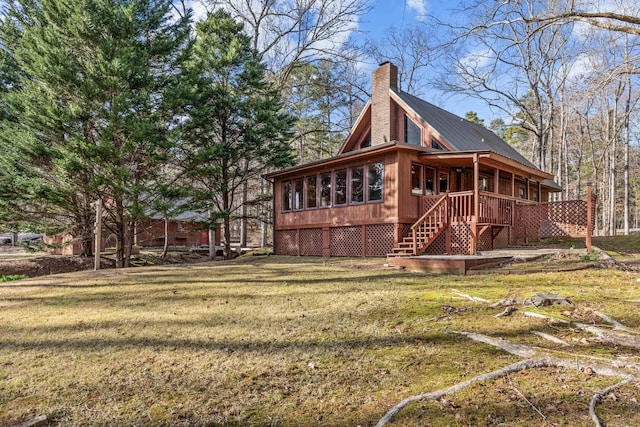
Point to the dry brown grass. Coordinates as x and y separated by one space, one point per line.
290 341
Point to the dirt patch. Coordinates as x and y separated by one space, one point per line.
43 265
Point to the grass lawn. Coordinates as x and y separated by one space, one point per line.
295 341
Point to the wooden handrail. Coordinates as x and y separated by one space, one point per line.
433 208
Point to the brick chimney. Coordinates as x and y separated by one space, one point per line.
384 120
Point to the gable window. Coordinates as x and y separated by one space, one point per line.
286 196
416 178
312 198
357 184
298 192
412 132
325 190
435 144
430 181
444 182
366 142
340 190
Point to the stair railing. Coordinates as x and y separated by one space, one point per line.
438 215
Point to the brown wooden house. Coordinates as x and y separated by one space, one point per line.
412 178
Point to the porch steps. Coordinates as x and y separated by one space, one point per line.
425 230
424 235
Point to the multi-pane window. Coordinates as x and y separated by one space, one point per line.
325 190
340 189
298 192
412 132
357 184
312 199
416 178
286 196
375 181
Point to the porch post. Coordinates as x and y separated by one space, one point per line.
447 232
476 204
589 216
513 184
539 191
496 181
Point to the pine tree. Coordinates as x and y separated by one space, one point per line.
234 127
92 106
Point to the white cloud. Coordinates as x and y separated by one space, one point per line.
580 67
477 59
419 7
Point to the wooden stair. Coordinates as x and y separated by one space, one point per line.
424 231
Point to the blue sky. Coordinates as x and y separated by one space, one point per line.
404 14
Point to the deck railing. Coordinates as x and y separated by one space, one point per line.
496 209
493 208
461 206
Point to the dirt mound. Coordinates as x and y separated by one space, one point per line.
44 265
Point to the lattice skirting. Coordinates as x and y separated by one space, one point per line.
379 239
553 219
346 241
460 239
286 242
375 240
311 242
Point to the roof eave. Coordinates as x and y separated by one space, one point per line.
376 149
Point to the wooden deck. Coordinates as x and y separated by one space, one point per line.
447 264
461 264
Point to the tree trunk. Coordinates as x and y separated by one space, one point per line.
227 237
130 233
625 171
212 244
165 248
243 213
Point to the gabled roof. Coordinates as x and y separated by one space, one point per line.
458 133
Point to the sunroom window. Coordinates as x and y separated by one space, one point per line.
375 181
357 184
286 196
340 191
325 190
312 199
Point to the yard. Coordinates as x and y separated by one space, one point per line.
300 341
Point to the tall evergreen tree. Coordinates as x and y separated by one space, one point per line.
92 107
235 126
